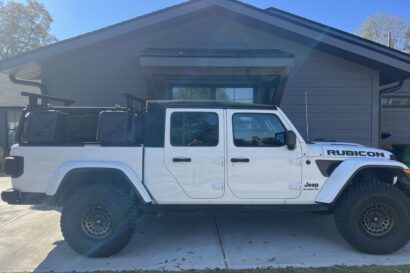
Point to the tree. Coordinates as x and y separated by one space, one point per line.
23 27
377 27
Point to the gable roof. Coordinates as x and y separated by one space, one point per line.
10 94
394 64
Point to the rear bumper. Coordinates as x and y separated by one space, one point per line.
12 196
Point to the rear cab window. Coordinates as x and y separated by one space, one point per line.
194 129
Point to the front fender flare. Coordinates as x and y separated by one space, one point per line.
343 174
65 168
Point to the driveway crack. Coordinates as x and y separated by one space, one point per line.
15 219
220 242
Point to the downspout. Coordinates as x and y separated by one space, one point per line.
382 92
40 86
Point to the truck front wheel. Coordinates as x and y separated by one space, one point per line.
99 220
374 217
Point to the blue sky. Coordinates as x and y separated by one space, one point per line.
74 17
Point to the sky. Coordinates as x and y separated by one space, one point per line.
75 17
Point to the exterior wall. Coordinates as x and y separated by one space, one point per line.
396 120
343 96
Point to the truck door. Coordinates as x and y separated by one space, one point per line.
259 163
194 151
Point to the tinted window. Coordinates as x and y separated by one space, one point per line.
237 94
194 129
258 130
191 93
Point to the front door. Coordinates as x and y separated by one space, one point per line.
259 163
194 151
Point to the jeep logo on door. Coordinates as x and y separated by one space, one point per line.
355 153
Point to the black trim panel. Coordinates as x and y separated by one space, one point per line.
12 196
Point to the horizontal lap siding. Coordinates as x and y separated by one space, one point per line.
340 92
339 104
397 122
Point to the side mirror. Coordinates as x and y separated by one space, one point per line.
290 139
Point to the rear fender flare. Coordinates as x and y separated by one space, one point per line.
67 167
344 173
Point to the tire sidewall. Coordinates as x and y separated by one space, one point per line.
114 203
350 227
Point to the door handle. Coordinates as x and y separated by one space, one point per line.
181 159
235 160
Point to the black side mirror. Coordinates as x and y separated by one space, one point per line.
290 139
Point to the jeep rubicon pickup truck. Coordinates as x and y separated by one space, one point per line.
106 167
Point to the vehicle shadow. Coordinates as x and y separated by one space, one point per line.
209 240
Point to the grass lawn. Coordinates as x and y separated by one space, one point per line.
336 269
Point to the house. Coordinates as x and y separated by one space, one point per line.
395 115
227 50
11 104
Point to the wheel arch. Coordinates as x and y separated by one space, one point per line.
73 175
351 171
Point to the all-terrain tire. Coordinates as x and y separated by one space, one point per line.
98 220
374 217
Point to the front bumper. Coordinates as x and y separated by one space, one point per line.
14 197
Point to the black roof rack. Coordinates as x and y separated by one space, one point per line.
155 104
130 101
33 100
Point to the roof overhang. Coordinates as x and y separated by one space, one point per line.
392 64
154 57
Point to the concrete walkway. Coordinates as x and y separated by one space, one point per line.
30 240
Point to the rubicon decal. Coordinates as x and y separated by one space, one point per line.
355 153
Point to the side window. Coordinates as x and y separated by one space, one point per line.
258 130
196 129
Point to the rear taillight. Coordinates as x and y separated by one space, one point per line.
14 165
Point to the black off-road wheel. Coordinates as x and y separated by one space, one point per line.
374 217
98 220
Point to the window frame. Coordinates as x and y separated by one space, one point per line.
394 97
213 88
255 113
186 146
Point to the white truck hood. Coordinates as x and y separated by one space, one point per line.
346 150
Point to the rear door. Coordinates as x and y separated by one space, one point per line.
194 150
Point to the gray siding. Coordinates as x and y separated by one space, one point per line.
340 92
397 120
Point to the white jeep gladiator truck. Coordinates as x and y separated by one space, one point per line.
107 166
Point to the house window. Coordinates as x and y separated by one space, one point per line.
13 118
194 129
235 94
396 101
219 93
191 93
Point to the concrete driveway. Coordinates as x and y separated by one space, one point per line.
30 240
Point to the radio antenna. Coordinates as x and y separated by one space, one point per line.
307 117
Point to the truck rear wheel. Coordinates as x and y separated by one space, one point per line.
374 217
99 220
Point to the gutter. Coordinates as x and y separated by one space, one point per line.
391 89
40 86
